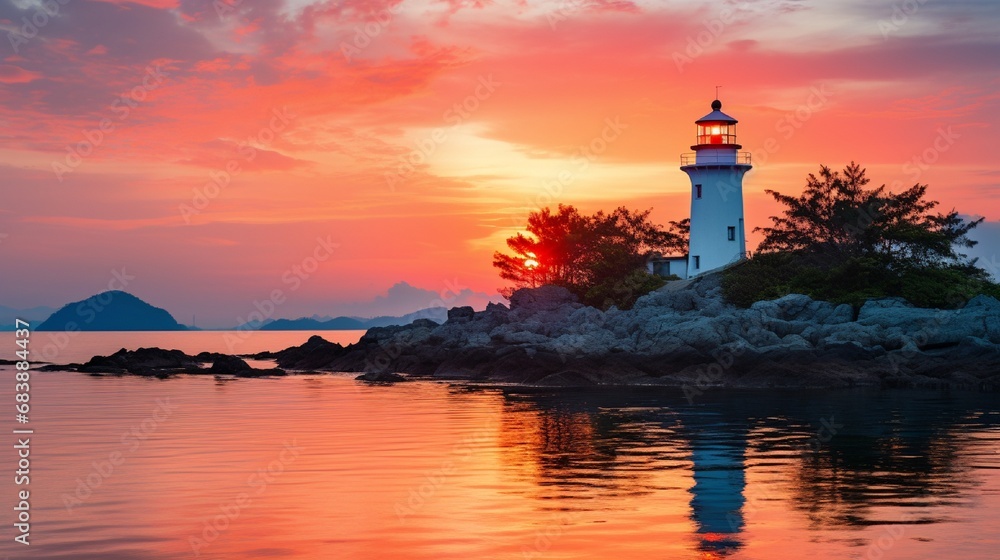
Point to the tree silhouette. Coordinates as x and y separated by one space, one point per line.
597 257
843 242
837 216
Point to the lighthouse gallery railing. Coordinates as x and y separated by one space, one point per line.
690 158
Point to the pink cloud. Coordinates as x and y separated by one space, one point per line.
10 74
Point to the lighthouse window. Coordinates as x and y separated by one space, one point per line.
697 262
732 233
697 191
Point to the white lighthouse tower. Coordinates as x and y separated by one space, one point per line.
716 169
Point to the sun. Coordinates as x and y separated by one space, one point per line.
531 261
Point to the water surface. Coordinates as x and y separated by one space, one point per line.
323 466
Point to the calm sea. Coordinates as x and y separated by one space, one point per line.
324 467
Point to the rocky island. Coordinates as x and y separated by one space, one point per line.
160 363
684 334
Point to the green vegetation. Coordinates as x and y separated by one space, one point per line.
601 258
841 242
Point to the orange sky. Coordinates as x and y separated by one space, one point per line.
417 135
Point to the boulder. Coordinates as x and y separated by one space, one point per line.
884 303
381 377
458 315
315 353
843 313
786 308
985 303
988 308
229 365
545 298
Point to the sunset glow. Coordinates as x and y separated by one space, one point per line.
206 149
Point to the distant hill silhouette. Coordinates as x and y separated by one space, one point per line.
111 311
310 324
439 314
33 315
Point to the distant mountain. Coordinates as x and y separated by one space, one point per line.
310 324
111 311
439 314
32 315
402 297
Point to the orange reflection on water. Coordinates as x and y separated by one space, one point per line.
325 467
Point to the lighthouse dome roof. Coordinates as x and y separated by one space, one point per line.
716 115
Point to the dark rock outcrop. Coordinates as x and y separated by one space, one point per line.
683 334
144 361
316 353
381 377
230 365
461 314
158 362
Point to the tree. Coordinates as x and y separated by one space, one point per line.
846 243
595 256
553 256
836 216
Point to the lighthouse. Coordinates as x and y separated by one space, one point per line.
716 168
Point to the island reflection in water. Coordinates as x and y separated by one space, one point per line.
428 470
865 471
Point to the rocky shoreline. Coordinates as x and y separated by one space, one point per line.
683 335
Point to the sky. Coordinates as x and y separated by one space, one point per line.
209 155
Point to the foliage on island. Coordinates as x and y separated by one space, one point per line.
842 242
601 258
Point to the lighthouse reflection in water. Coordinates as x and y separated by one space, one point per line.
717 499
